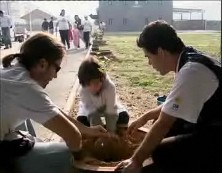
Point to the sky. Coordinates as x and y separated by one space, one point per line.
212 8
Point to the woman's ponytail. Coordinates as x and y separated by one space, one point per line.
6 61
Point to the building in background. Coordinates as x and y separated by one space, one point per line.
133 15
35 18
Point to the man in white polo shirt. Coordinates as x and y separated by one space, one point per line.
186 135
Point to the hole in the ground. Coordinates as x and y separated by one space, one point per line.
111 150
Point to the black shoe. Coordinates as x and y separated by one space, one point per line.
6 47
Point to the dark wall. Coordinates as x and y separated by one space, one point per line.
189 24
213 25
197 25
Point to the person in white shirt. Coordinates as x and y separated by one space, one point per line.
87 29
6 24
98 98
102 26
186 135
64 26
23 97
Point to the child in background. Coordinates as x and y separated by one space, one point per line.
76 36
98 98
70 33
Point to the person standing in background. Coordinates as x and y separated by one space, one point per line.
45 25
87 29
64 26
102 26
51 26
79 25
76 35
6 24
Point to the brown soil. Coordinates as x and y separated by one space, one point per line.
109 151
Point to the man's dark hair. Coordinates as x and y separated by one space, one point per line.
89 70
1 12
159 34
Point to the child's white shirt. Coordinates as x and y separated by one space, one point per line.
89 102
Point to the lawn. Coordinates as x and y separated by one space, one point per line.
137 83
133 66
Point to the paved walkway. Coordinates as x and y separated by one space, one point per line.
15 49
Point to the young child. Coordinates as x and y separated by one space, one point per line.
98 98
76 36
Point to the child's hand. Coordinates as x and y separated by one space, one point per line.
97 131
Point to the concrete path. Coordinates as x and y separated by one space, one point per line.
15 49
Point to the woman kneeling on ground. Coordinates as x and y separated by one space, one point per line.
22 90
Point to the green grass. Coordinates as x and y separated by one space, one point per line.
132 67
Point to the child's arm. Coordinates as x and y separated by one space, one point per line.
89 109
87 102
111 108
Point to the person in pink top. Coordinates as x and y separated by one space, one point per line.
70 34
76 36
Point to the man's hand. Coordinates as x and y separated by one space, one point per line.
136 124
129 166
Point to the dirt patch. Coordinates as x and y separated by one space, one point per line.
109 151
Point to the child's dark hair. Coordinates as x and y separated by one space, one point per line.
89 70
159 34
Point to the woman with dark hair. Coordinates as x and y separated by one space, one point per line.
23 97
186 135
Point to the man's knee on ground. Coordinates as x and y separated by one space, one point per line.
84 120
123 119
